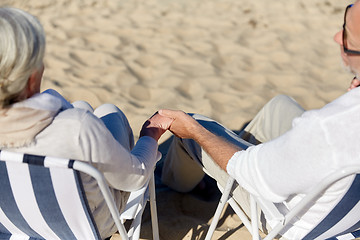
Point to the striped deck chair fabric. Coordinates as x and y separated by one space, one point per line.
344 219
43 198
342 222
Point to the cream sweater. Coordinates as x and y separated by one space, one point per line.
78 134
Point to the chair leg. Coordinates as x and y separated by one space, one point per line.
240 213
224 198
153 209
134 231
112 207
254 219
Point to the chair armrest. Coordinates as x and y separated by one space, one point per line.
270 210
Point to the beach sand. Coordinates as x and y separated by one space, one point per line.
223 59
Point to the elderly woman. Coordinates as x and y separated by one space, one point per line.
47 124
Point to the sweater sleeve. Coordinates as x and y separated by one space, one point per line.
124 170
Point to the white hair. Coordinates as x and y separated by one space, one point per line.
22 47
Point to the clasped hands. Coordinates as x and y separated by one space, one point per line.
178 122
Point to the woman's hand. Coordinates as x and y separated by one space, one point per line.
155 126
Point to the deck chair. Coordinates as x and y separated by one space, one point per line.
343 222
43 198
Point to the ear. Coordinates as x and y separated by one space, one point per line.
34 82
30 87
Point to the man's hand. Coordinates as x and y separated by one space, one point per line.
354 83
183 125
155 126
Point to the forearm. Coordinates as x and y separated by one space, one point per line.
129 171
219 149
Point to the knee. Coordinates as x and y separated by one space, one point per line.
284 107
83 105
282 101
109 112
106 109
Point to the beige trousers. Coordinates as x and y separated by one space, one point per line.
186 162
117 123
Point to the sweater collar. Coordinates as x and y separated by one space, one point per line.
21 122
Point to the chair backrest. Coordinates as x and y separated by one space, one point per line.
42 202
342 222
43 197
344 218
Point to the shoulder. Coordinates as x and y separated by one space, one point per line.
78 120
348 102
344 107
77 126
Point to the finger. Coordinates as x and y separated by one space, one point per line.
166 113
159 117
154 114
161 122
166 123
356 82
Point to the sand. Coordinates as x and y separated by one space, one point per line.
224 59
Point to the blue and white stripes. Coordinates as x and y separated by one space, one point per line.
38 202
343 219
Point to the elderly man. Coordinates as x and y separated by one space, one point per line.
297 148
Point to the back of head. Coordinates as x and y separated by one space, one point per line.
22 47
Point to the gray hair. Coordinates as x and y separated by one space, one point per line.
22 47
